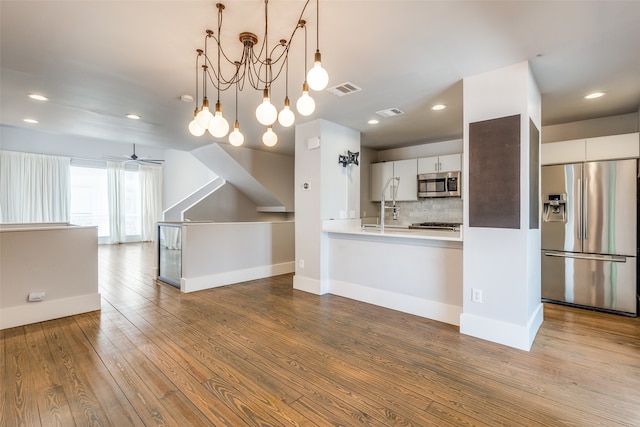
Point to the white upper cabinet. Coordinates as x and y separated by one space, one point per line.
448 163
623 146
406 170
613 147
563 152
380 172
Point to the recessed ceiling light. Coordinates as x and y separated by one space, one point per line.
594 95
37 97
438 107
186 98
30 121
133 116
373 122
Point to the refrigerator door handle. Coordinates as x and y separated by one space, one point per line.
589 257
586 209
579 225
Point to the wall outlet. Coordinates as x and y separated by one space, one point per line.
301 263
476 295
37 296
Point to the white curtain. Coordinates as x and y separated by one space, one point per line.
116 194
34 188
151 193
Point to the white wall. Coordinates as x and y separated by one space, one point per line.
340 186
34 141
441 148
331 192
182 175
60 261
219 254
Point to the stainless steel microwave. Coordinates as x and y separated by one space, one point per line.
443 184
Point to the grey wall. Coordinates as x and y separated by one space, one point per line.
614 125
230 205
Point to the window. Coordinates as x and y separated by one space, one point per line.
90 201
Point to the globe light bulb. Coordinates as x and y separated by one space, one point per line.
317 77
195 129
269 138
204 116
266 113
305 105
236 138
286 116
218 126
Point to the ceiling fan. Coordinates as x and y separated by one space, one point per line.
134 158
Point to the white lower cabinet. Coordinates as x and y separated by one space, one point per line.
406 170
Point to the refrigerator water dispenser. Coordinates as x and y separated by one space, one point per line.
555 208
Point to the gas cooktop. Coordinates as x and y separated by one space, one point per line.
436 226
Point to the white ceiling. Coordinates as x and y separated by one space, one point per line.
98 60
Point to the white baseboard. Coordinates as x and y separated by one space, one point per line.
509 334
34 312
193 284
405 303
307 284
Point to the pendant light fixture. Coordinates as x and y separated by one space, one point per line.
305 105
236 138
194 128
260 65
317 77
286 116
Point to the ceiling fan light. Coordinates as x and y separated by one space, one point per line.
195 129
286 116
269 138
266 113
236 138
317 76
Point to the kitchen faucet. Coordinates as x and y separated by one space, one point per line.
394 191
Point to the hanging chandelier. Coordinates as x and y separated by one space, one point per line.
260 66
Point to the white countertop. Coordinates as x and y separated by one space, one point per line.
404 232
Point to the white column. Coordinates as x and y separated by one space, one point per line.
503 264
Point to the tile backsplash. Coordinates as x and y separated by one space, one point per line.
445 209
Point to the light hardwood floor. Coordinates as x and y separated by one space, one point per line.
261 353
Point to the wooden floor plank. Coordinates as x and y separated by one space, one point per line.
53 404
94 397
131 376
21 405
274 395
220 404
262 353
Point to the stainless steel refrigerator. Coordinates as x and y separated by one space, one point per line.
589 235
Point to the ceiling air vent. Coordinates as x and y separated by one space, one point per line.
390 112
344 89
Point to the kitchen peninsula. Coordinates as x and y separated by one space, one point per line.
414 271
